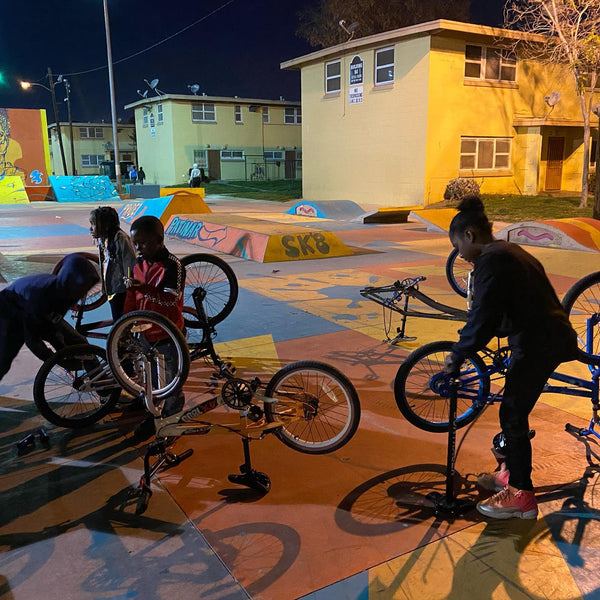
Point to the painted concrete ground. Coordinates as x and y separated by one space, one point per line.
352 524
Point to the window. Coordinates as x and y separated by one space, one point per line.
200 159
232 155
204 112
490 64
485 153
265 114
238 113
91 132
273 155
384 66
159 114
145 118
91 160
293 116
333 77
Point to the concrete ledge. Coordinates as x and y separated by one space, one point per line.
183 191
163 208
254 239
326 209
388 215
437 220
569 234
143 190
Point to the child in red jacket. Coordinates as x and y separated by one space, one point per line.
157 284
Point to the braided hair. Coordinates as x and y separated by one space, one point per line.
107 225
471 213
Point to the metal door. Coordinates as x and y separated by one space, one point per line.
214 164
290 164
554 164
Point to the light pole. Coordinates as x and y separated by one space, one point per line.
596 211
27 85
113 111
68 101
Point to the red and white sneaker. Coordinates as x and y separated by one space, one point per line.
496 481
510 504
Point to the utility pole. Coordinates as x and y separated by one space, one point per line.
68 101
113 111
60 140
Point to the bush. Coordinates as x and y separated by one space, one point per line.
461 187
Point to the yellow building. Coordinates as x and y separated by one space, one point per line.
92 145
391 118
229 138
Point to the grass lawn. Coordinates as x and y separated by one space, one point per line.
276 191
513 209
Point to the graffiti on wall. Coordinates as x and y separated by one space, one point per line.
87 188
23 145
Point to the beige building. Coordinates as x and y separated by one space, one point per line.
391 118
92 144
229 138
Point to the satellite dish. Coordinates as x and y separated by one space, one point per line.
143 94
552 99
153 84
194 88
108 146
348 29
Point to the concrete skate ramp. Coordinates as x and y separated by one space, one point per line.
255 239
579 233
343 210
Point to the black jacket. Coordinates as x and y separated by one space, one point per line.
513 297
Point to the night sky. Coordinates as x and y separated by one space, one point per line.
236 51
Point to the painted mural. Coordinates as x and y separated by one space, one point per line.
85 188
12 190
24 150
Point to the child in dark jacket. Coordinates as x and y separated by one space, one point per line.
157 284
512 297
116 253
32 310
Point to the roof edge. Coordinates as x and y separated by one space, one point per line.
214 99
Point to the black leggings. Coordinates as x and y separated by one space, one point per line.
525 381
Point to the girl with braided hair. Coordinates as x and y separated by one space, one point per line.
117 255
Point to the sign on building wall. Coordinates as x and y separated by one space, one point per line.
355 92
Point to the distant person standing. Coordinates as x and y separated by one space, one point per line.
141 175
133 175
195 176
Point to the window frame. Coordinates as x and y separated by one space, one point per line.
495 153
275 155
201 158
90 129
507 60
232 153
86 164
160 119
204 111
333 77
265 115
378 67
237 114
296 116
145 117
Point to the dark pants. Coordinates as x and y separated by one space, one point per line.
525 381
196 181
117 302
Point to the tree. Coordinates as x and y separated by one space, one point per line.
320 25
572 37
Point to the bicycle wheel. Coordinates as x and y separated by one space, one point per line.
141 337
316 404
582 303
457 273
74 388
422 388
218 280
95 297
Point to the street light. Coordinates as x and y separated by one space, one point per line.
26 85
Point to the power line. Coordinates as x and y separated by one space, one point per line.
116 62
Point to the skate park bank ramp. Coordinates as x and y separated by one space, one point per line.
12 190
344 210
256 239
569 234
164 208
84 188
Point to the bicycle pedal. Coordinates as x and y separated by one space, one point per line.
26 444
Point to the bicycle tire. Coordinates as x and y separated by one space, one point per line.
217 278
422 388
457 272
329 402
127 344
66 396
96 296
581 302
